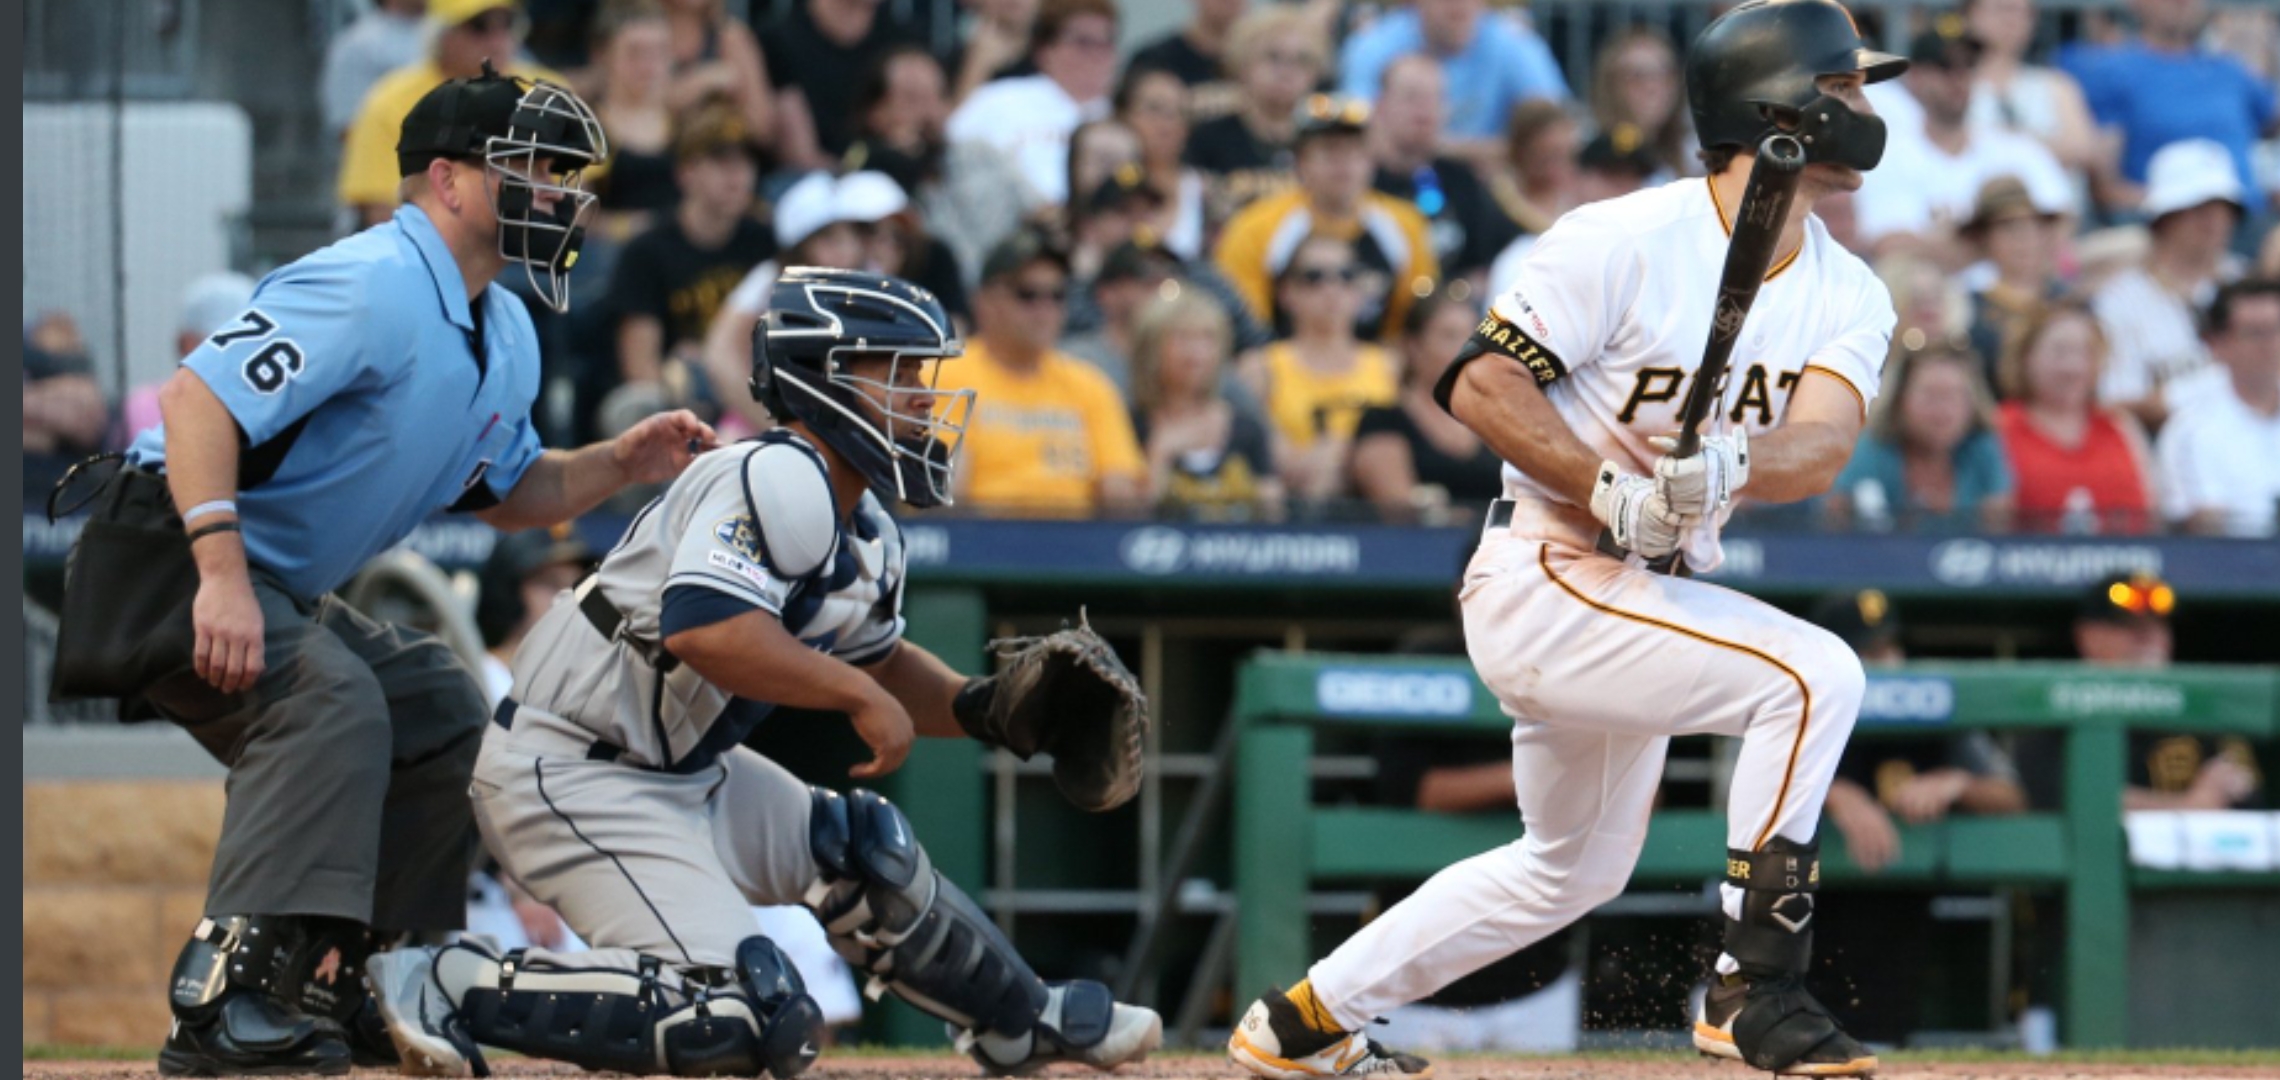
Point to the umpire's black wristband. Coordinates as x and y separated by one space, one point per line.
204 531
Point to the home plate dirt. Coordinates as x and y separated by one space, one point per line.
872 1066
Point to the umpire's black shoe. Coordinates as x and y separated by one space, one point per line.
247 1034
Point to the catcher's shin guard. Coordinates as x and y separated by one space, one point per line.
693 1022
918 935
1763 1015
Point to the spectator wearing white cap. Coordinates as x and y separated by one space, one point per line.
2193 198
1925 189
2220 453
207 304
820 221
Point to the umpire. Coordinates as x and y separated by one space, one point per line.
369 385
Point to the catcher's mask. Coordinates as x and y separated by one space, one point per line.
536 138
899 431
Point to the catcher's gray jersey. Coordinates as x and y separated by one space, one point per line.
747 526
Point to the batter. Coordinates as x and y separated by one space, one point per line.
1574 378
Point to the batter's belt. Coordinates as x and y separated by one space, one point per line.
1542 519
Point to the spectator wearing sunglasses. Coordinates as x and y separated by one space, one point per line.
1318 381
465 34
1030 118
1466 227
1050 435
1394 257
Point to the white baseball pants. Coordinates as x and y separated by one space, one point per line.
1599 664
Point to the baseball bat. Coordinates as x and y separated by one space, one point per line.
1749 254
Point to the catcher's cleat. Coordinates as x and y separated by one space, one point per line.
1081 1022
1775 1025
1274 1041
429 1036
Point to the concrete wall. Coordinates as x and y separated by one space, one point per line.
114 880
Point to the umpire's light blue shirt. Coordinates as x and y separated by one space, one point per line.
363 410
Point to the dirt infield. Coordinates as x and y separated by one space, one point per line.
1627 1066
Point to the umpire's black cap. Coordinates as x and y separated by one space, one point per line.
459 118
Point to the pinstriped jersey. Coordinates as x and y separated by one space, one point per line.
750 526
1612 308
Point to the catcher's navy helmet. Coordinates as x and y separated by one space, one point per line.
903 435
1755 70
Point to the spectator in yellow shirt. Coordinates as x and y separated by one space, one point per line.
1333 198
465 33
1319 379
1050 436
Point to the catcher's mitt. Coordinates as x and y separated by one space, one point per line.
1066 694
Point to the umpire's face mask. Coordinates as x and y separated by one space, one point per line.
539 203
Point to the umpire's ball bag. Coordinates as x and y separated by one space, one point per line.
128 587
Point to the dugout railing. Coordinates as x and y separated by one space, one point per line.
1286 845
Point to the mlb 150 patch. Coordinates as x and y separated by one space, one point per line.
738 535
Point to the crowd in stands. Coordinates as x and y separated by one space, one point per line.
1211 274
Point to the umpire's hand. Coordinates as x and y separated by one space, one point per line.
657 449
228 621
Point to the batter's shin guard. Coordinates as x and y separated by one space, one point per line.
1774 935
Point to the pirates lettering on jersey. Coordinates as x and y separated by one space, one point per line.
1496 335
1754 405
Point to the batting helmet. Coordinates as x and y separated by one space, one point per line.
1754 71
902 435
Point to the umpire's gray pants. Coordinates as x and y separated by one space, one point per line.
348 772
642 862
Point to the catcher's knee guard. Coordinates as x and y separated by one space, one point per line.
890 914
704 1022
1774 935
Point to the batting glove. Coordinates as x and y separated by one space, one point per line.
1706 483
1636 513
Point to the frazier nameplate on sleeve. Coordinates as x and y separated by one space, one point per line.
1496 335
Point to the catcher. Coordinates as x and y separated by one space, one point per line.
613 785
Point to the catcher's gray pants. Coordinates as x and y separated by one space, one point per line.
348 772
639 861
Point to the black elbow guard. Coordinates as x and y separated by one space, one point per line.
1501 338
